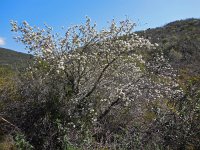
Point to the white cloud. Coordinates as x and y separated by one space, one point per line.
2 41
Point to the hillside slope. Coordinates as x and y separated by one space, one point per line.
180 42
13 58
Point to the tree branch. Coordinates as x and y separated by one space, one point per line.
98 79
108 109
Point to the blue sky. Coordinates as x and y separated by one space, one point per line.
58 13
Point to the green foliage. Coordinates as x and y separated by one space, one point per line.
21 143
63 137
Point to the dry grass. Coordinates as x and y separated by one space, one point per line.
6 143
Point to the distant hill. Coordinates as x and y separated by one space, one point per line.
180 42
13 59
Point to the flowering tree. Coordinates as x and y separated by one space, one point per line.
88 74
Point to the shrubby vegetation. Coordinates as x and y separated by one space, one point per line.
107 89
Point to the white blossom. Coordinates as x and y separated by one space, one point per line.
104 67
